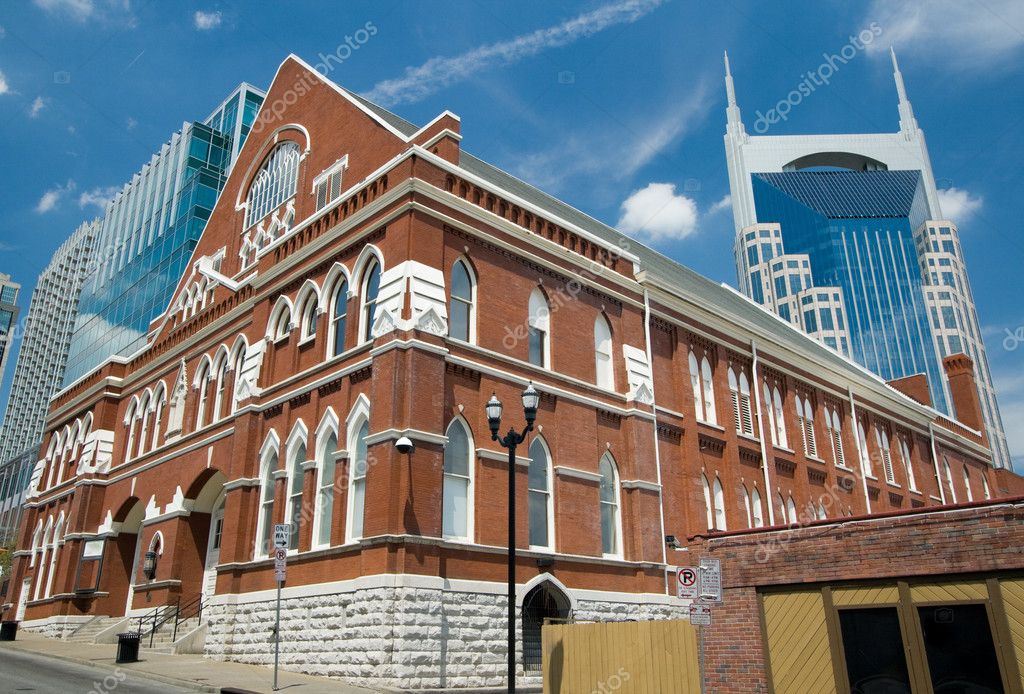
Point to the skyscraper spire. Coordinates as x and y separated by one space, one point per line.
907 122
734 122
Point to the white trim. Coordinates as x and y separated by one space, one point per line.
414 434
501 456
576 473
242 483
641 484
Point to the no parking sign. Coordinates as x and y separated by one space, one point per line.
687 583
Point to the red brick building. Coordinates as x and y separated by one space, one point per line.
361 280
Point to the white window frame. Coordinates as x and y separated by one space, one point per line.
325 484
539 319
617 552
549 495
330 180
468 479
357 470
298 441
269 461
603 350
270 189
471 303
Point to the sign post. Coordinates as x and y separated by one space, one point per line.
281 534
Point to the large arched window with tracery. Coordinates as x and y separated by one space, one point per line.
274 184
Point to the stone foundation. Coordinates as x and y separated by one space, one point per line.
400 636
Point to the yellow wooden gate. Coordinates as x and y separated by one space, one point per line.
622 657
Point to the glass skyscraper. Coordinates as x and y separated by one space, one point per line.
863 209
149 231
8 318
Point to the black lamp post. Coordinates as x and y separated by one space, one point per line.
511 440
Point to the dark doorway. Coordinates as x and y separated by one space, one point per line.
545 601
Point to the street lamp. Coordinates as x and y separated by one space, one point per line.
531 398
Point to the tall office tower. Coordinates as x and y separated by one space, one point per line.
150 229
864 210
8 318
44 343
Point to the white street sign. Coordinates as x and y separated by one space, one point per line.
280 563
687 583
281 533
700 615
711 580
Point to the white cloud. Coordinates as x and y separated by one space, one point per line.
724 204
958 205
105 11
657 213
53 196
4 87
98 197
440 72
205 21
131 123
37 106
79 10
962 34
589 154
3 32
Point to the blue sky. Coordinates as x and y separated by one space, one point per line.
593 101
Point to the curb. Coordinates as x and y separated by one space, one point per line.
114 667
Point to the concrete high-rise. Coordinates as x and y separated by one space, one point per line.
8 318
44 343
863 210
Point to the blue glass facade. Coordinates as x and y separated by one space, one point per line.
858 229
149 232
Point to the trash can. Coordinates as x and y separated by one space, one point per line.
128 646
8 630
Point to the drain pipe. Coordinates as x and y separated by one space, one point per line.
935 461
654 413
760 429
861 453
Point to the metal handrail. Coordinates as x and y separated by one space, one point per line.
159 616
193 608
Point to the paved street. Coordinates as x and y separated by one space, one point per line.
27 672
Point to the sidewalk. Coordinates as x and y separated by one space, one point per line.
189 671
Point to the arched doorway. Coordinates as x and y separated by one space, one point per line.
130 517
213 548
545 601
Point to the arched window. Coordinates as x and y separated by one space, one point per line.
159 402
967 484
56 541
695 384
908 465
143 415
47 538
710 415
371 290
949 479
220 394
457 503
745 497
541 506
805 420
296 458
791 511
339 315
718 497
282 324
984 484
37 539
739 389
310 315
865 456
358 465
835 435
326 458
821 511
462 317
538 329
780 418
709 507
603 353
611 518
882 439
237 367
202 382
756 508
265 522
274 184
129 422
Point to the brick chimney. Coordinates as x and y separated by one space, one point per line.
964 390
914 387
